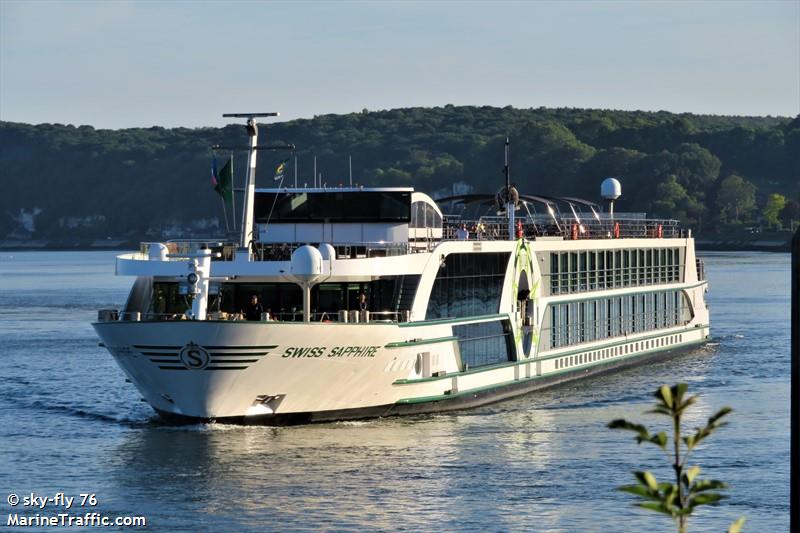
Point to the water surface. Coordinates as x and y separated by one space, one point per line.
543 462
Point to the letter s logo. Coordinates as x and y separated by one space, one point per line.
194 357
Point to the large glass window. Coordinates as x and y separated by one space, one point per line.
486 343
334 206
468 285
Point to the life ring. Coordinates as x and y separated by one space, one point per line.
616 230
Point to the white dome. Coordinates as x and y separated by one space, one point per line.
158 252
610 189
327 251
306 264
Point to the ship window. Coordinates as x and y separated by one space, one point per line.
167 300
333 206
468 285
417 215
485 343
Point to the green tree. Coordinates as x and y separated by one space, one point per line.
790 214
681 498
672 201
736 200
772 210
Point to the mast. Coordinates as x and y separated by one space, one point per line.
509 196
250 180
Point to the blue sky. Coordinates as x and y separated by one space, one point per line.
121 64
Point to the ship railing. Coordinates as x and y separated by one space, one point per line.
569 228
226 251
177 249
355 250
701 269
343 316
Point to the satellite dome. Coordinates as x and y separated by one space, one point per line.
611 189
306 264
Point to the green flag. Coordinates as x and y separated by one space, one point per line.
223 181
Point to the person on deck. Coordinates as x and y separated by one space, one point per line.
462 233
253 310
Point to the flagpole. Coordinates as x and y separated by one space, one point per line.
217 184
233 195
225 214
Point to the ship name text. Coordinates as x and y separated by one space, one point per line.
336 351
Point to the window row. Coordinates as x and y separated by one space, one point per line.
591 320
608 353
582 271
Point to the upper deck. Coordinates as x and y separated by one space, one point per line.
299 218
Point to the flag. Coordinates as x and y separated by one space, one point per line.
280 169
214 172
223 181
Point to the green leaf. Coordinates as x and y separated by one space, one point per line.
665 395
648 479
641 491
678 391
691 473
719 414
736 527
658 507
660 410
660 439
680 408
621 423
707 498
708 484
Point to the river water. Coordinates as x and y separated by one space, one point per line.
543 462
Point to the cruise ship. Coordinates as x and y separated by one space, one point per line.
354 302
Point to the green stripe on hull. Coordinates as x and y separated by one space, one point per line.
544 377
562 354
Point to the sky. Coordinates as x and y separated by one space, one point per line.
118 64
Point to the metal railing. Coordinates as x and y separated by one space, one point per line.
343 316
570 228
701 269
220 250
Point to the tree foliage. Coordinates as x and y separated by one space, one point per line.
736 200
772 210
142 178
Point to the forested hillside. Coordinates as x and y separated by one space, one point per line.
712 172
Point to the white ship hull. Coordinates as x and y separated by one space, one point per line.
348 371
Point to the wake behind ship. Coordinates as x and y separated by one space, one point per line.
372 302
